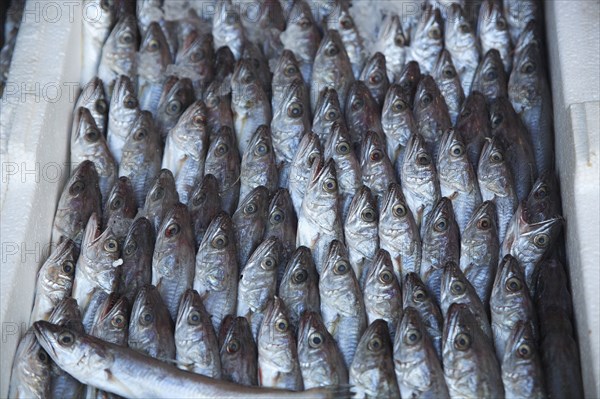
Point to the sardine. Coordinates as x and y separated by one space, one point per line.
377 169
138 250
397 121
473 126
31 376
449 83
204 205
223 162
123 112
431 113
161 197
249 223
392 42
283 224
153 58
460 40
259 167
361 230
490 78
93 98
96 26
427 41
361 112
239 355
177 95
374 76
493 31
309 150
353 43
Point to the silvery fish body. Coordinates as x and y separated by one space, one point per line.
351 38
227 28
473 126
282 224
161 197
493 32
95 30
393 44
31 376
204 205
239 355
448 81
93 98
360 230
428 40
309 150
249 223
258 167
374 76
138 250
124 110
460 40
223 162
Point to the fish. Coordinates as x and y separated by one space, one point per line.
278 364
377 169
196 345
361 112
218 107
177 95
88 143
97 267
283 224
510 131
111 320
490 78
258 282
174 258
321 361
553 301
185 149
161 197
299 286
496 184
559 347
431 113
150 326
141 156
510 302
543 202
249 103
449 83
119 52
331 68
216 275
148 11
195 60
319 220
418 370
302 37
93 98
522 372
31 375
120 208
138 249
399 233
309 150
397 121
470 366
254 54
286 70
518 14
223 162
290 122
96 301
204 205
419 180
54 280
382 292
361 230
372 370
141 375
259 165
479 249
460 40
374 76
343 22
342 303
493 31
339 148
328 111
263 24
224 63
473 126
409 79
239 355
249 223
227 28
441 244
95 30
457 178
393 43
153 59
427 41
123 112
457 289
529 93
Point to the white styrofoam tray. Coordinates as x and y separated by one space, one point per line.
35 120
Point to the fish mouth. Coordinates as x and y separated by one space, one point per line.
41 335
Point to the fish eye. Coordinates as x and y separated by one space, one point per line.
541 192
412 337
220 241
139 134
197 56
464 28
111 245
399 106
158 193
332 50
496 120
261 149
300 276
250 209
400 40
233 346
277 216
341 267
101 106
458 288
501 24
346 23
441 225
368 215
357 104
399 210
343 148
496 157
290 70
375 344
126 38
315 340
221 149
68 267
194 318
281 325
423 159
462 342
130 248
212 101
514 284
305 23
541 240
130 102
248 78
484 223
435 33
457 150
491 75
465 113
295 110
174 107
43 356
331 115
311 158
116 203
376 155
376 78
200 198
66 338
449 73
77 187
330 185
420 295
268 263
524 351
528 68
92 135
172 230
153 45
426 99
146 318
118 321
199 120
386 277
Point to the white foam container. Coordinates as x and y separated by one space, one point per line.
35 120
